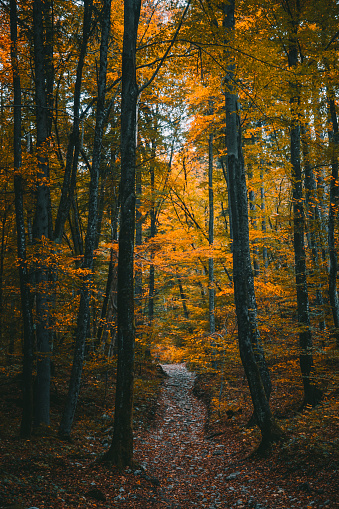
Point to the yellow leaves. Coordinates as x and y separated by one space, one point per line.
227 292
112 76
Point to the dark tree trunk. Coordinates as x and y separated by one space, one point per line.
121 450
75 227
107 310
312 394
313 216
211 289
109 286
42 22
251 352
151 283
224 170
91 234
263 216
73 149
251 196
333 212
27 413
2 258
183 297
138 242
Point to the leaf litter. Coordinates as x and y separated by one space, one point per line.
178 466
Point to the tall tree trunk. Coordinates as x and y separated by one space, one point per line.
251 196
311 392
211 290
109 286
91 233
313 215
121 450
183 297
333 212
263 215
27 412
42 22
249 342
138 243
2 258
111 277
151 282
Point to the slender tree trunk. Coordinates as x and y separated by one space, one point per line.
224 169
2 258
211 290
311 392
109 285
138 243
73 149
42 218
333 213
75 227
27 388
151 283
121 450
251 195
249 343
106 312
109 303
313 215
263 215
183 297
91 234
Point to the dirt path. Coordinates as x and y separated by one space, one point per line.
178 445
187 469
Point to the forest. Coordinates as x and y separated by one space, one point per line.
169 253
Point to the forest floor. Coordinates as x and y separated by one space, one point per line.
182 460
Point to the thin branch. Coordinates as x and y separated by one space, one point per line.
145 85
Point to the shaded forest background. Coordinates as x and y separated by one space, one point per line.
61 78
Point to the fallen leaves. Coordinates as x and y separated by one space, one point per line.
179 465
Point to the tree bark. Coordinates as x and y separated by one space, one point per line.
211 289
91 233
183 297
255 253
42 23
138 242
333 212
121 450
312 394
249 342
263 216
151 282
313 216
27 387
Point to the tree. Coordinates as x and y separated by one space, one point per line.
211 290
312 394
91 235
333 210
42 227
249 344
121 449
27 414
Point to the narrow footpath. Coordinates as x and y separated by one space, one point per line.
186 469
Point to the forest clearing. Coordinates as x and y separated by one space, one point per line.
169 197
